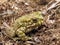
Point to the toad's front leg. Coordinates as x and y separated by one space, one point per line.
21 34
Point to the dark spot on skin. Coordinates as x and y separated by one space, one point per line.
34 20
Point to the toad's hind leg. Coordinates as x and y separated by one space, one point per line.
22 35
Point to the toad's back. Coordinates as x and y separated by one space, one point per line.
28 22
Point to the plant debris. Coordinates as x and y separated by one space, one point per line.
47 34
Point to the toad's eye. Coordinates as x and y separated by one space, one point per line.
34 20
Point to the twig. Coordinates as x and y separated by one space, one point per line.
52 5
6 25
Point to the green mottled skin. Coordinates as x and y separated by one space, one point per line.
25 24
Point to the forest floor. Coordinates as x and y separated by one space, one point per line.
47 34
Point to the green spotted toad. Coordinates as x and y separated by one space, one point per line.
25 24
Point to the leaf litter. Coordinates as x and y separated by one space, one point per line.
47 34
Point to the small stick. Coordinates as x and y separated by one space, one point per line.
6 25
52 5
